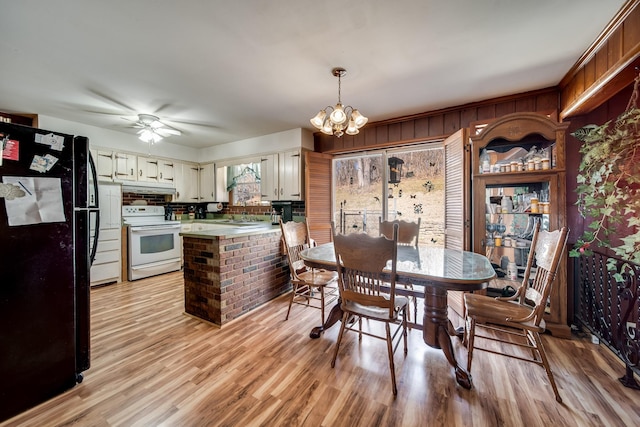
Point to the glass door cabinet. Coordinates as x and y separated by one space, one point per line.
519 179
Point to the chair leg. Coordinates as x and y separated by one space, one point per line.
345 318
293 295
471 330
404 331
391 365
321 305
535 337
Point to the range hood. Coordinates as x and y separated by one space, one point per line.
142 187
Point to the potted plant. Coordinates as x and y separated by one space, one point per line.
609 185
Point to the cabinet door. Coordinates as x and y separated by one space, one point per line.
269 177
147 169
166 172
222 195
104 165
290 178
125 166
110 206
207 187
186 180
191 174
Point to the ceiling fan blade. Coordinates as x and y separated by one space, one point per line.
167 131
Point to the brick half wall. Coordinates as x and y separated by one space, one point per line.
226 278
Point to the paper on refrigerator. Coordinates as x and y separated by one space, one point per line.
42 200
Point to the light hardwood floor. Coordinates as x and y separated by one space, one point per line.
153 365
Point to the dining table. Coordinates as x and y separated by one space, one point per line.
431 272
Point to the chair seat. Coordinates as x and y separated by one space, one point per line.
490 310
373 312
318 277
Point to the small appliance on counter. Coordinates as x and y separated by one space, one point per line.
168 213
275 218
200 214
283 209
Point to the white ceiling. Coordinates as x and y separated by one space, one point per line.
223 71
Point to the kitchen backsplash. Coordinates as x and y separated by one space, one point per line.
183 208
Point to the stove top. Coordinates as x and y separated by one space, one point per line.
144 215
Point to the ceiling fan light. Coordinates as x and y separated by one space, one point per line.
145 135
338 116
318 120
148 135
358 119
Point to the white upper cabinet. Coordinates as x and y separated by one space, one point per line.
290 175
281 176
222 195
148 169
207 182
104 164
166 171
126 167
186 182
269 177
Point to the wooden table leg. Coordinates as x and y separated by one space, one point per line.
437 327
334 315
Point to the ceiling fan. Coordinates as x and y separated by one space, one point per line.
152 130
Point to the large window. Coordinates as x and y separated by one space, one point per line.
394 184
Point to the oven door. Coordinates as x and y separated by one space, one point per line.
155 248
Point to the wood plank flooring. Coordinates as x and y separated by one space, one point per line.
152 365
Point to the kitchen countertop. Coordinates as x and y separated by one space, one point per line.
227 228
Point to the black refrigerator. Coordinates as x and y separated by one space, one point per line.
48 200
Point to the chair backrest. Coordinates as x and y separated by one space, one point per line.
296 239
545 254
361 260
408 232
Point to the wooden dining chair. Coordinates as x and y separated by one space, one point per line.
408 235
518 320
368 293
408 232
311 287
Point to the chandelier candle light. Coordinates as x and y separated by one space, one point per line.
334 120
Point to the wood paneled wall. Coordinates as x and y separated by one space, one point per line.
436 125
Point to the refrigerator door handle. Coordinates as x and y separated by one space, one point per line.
94 246
94 181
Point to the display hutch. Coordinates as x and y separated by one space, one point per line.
519 178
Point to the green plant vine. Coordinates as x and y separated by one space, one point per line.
608 185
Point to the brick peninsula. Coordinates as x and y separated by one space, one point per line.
230 270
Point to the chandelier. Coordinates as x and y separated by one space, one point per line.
339 119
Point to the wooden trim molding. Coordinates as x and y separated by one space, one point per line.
606 67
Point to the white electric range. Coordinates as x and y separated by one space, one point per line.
154 243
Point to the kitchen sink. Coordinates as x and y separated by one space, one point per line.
239 222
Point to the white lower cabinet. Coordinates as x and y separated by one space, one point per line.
107 265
